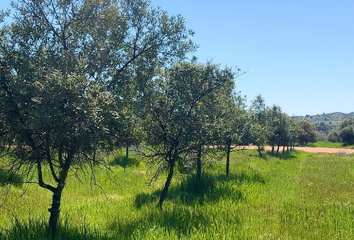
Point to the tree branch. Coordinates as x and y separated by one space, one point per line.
40 178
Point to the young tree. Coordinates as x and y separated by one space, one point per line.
284 131
307 132
294 130
258 124
171 112
219 117
274 121
346 131
231 124
61 65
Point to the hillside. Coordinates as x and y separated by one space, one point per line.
328 118
327 123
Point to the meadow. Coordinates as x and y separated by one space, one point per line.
295 196
327 144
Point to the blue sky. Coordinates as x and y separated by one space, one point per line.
298 54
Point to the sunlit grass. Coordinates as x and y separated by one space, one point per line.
300 196
326 144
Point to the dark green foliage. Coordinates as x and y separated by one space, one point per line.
346 131
307 132
176 117
334 137
65 71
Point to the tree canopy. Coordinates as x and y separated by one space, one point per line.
64 65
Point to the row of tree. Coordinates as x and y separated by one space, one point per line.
81 77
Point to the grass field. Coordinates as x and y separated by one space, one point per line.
300 196
326 144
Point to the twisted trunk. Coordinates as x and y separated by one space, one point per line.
228 150
56 200
167 184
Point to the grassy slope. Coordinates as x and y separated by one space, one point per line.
305 196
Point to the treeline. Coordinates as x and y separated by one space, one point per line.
344 132
81 77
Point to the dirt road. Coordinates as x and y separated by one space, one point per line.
309 149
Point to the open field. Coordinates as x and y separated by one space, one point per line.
326 144
307 149
296 196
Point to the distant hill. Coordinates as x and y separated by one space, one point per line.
328 117
327 122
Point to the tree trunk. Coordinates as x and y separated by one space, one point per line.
126 151
283 149
259 151
228 150
278 147
167 184
54 212
273 143
57 193
199 163
126 155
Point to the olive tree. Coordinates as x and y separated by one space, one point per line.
63 65
346 131
274 119
172 117
258 123
230 124
307 132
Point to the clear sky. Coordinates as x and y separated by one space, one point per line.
298 54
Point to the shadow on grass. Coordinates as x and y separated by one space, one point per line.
37 229
182 218
179 220
208 189
123 162
249 176
287 155
9 178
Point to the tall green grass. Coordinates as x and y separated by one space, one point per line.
300 196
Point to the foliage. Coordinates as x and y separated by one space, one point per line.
173 122
258 123
307 132
346 131
63 64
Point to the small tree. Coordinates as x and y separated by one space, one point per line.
172 116
230 124
274 126
258 124
293 133
307 132
346 131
